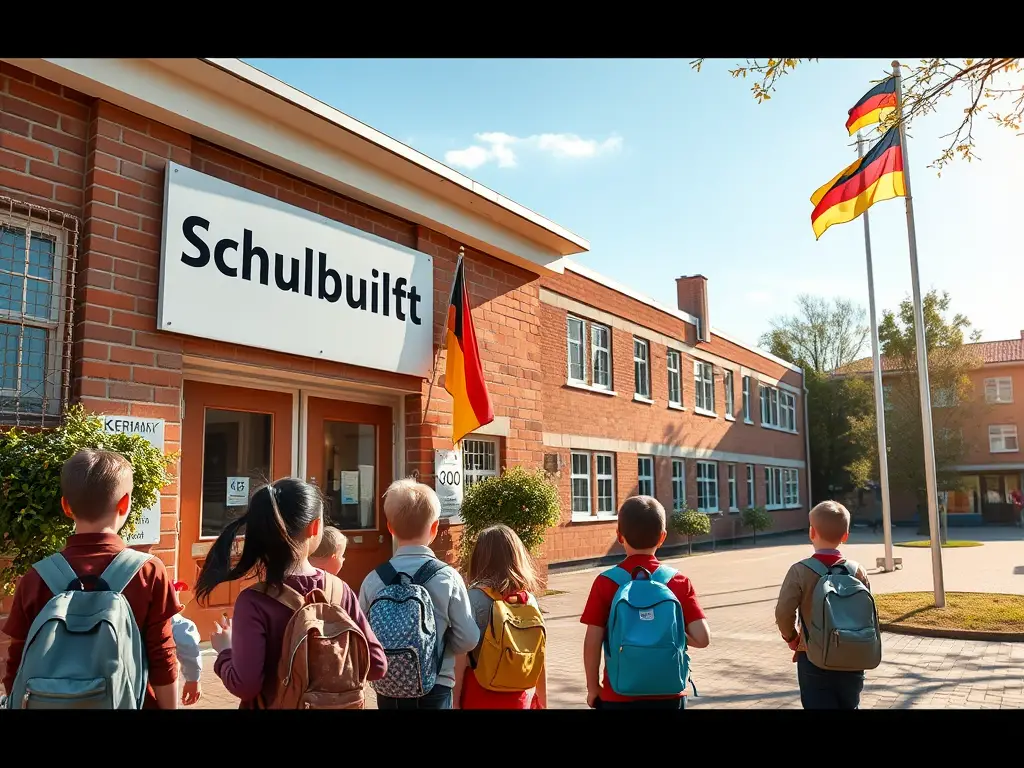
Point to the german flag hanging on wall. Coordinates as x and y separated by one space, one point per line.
874 106
463 372
875 177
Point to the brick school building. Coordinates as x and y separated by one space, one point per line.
213 259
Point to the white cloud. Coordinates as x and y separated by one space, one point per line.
502 148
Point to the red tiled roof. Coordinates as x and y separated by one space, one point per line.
1004 351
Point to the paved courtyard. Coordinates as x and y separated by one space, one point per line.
748 665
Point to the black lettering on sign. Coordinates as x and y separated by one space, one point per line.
381 294
120 424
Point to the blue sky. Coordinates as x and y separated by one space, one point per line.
668 172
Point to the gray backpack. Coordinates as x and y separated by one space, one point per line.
84 649
842 632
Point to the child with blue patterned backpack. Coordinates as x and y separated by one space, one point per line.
643 616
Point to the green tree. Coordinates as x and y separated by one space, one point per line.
992 88
690 523
823 336
954 403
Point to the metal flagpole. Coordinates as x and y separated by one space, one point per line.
931 484
883 458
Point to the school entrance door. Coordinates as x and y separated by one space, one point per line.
235 439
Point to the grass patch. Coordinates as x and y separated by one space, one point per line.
550 592
954 544
978 611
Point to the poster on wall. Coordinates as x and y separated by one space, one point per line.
148 529
448 483
349 487
237 492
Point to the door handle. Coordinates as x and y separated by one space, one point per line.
380 539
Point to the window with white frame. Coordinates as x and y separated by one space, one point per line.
707 486
601 354
605 483
787 411
746 398
778 408
678 484
887 397
580 480
479 461
729 394
704 386
33 314
751 501
791 478
773 487
642 368
645 475
999 390
577 350
734 500
1002 438
675 381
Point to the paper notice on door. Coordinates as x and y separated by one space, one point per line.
238 492
349 487
366 495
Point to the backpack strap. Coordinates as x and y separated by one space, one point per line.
428 570
851 567
663 574
122 568
619 575
286 596
816 565
333 588
56 573
386 573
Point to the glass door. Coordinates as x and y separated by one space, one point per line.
234 440
349 457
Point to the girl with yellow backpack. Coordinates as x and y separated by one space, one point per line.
506 670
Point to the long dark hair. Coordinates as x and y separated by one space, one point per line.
277 515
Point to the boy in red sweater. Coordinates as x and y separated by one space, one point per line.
641 531
96 488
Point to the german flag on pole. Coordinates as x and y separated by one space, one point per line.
463 372
868 180
873 107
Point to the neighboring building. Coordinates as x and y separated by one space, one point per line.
194 247
993 465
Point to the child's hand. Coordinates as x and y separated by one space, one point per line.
221 637
191 692
593 694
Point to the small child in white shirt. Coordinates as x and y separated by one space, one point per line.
186 642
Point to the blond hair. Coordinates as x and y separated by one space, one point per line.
831 520
93 482
500 561
411 508
333 542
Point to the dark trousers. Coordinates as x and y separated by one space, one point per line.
679 703
440 697
827 688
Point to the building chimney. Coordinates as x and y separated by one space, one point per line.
692 297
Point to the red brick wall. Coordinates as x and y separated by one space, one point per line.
976 431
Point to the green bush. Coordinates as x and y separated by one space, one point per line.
690 523
756 519
527 502
32 522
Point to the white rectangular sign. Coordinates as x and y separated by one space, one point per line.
237 492
448 483
148 529
243 268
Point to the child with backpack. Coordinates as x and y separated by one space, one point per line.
643 616
417 605
298 639
506 670
94 582
838 636
186 643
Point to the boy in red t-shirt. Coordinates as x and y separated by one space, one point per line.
641 531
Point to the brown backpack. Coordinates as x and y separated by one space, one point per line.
324 656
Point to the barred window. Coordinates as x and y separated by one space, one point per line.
479 461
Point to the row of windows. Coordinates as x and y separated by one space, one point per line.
781 489
998 390
778 406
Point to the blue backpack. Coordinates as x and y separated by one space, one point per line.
402 618
645 642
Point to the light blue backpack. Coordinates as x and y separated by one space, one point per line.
645 642
84 650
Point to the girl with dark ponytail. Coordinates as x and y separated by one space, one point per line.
282 526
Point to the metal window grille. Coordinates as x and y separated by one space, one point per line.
38 262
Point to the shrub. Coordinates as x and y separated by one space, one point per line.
690 523
756 519
527 502
32 522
